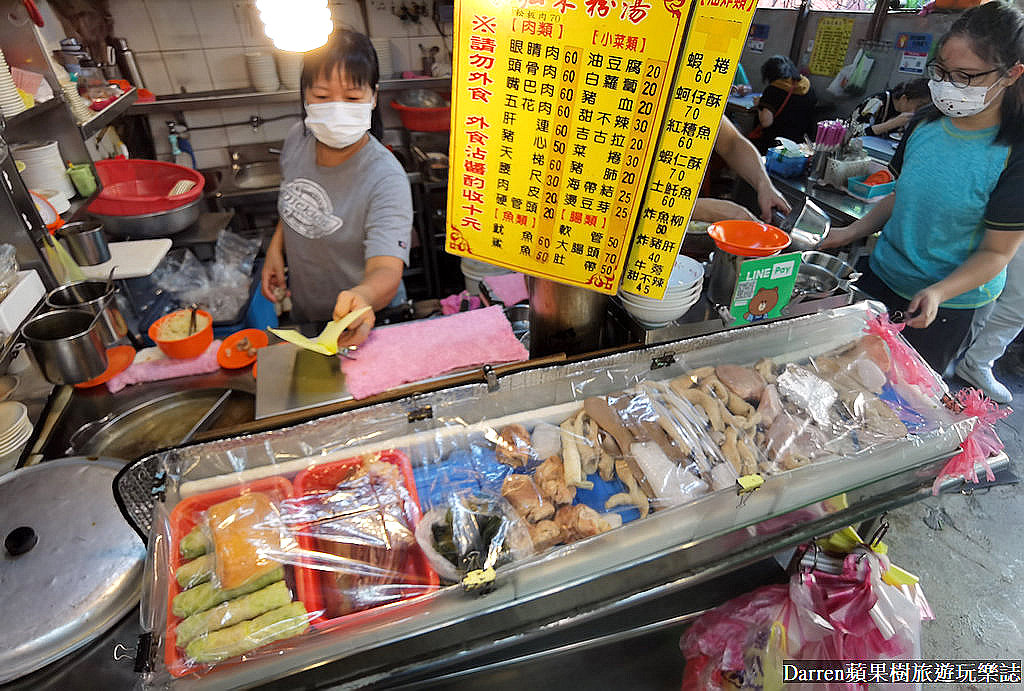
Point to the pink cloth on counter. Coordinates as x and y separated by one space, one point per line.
167 368
453 303
508 288
420 350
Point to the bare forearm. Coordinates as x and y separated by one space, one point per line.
872 222
379 287
980 268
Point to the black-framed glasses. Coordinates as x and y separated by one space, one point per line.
957 78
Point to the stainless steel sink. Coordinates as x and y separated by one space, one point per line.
257 175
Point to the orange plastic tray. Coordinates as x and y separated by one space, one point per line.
311 582
184 518
748 238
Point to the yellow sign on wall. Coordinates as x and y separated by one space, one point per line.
831 43
555 108
696 103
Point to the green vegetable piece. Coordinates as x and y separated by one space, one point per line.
194 572
207 595
283 622
233 611
195 544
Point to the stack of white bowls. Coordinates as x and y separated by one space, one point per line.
289 69
681 293
262 70
384 59
475 271
15 429
10 100
44 167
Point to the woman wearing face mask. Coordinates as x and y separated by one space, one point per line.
345 202
957 214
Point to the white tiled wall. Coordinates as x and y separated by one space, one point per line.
199 45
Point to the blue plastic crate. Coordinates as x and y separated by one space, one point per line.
785 166
858 189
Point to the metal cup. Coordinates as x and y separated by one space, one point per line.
94 297
85 241
66 345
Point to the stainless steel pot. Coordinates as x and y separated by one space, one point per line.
85 241
834 265
94 297
725 268
67 345
155 225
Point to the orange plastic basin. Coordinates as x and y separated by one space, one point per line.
188 347
748 238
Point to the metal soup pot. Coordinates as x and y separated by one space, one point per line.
94 297
85 241
67 345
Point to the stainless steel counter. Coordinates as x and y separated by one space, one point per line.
843 208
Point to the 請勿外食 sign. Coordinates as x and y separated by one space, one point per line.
559 108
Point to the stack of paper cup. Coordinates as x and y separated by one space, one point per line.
262 70
15 429
384 59
44 167
289 68
10 100
79 108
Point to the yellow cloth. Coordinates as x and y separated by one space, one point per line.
800 86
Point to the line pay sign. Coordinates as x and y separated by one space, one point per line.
764 286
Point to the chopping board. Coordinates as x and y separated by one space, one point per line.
133 259
289 379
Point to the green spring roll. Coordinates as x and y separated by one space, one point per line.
195 544
283 622
206 595
232 612
194 572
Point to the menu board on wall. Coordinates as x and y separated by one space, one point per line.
556 109
696 102
831 43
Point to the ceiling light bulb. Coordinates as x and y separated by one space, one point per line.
296 25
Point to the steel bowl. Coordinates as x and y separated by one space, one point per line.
834 265
85 241
67 346
159 224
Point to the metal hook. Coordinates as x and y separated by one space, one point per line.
880 531
121 648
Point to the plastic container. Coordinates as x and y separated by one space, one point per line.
424 119
310 583
133 187
185 516
786 166
857 188
184 348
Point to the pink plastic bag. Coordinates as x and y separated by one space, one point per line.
981 443
907 365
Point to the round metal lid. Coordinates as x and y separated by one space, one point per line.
75 573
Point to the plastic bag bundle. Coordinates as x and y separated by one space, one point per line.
980 444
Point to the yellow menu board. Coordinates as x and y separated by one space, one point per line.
831 43
555 105
696 103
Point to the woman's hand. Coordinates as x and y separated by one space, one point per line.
273 278
714 210
359 330
924 306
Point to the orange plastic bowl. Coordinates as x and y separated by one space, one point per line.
748 238
184 348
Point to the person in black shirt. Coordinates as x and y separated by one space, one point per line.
786 106
889 111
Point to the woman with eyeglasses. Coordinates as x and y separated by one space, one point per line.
956 217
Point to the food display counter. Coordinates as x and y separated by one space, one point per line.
377 616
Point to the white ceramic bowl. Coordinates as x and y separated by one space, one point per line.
652 317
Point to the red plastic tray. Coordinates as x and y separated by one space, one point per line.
310 582
184 518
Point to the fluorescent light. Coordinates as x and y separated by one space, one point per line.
296 25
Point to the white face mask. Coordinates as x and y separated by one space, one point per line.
338 123
960 103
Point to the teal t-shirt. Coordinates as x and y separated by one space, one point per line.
939 216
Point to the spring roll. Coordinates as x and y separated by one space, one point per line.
195 544
194 572
283 622
207 595
232 612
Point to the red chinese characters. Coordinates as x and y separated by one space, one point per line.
474 169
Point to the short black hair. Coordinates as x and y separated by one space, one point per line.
349 51
352 53
778 67
914 89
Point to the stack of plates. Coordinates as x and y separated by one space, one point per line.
384 59
475 271
289 69
10 101
262 71
79 108
44 167
15 429
681 293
